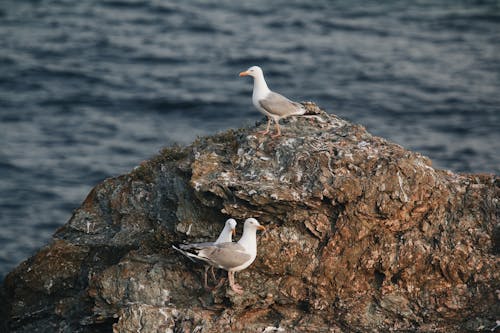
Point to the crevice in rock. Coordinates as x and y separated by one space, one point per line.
396 277
304 306
104 327
337 210
379 278
495 240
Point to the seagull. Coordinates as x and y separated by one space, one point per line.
225 236
270 103
230 256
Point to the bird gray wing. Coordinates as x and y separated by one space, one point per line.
196 246
187 254
281 106
225 255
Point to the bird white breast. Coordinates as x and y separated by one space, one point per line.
255 101
260 91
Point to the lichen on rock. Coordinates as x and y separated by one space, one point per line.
363 235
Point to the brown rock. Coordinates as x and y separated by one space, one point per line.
363 235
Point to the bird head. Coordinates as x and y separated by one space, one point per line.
253 71
232 224
253 223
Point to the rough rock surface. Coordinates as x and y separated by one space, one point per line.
363 235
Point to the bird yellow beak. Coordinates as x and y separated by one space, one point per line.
261 227
233 231
245 73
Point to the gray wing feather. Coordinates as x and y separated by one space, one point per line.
225 255
187 254
281 106
196 246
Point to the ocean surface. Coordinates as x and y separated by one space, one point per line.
89 89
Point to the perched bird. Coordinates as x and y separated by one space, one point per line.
230 256
225 236
271 104
227 233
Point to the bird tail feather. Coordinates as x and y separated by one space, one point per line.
187 254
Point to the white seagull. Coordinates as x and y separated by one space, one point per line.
225 236
270 103
230 256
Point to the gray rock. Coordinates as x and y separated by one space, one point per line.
363 235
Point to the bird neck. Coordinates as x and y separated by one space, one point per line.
260 86
225 235
249 240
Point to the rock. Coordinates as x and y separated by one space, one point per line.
363 235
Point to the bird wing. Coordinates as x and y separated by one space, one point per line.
281 106
196 246
225 255
187 254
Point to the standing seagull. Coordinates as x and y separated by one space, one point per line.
225 236
232 257
271 104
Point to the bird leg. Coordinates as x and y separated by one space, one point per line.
267 128
221 282
234 286
212 271
278 130
205 280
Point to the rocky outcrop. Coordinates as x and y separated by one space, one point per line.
362 235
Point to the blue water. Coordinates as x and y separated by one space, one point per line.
89 89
